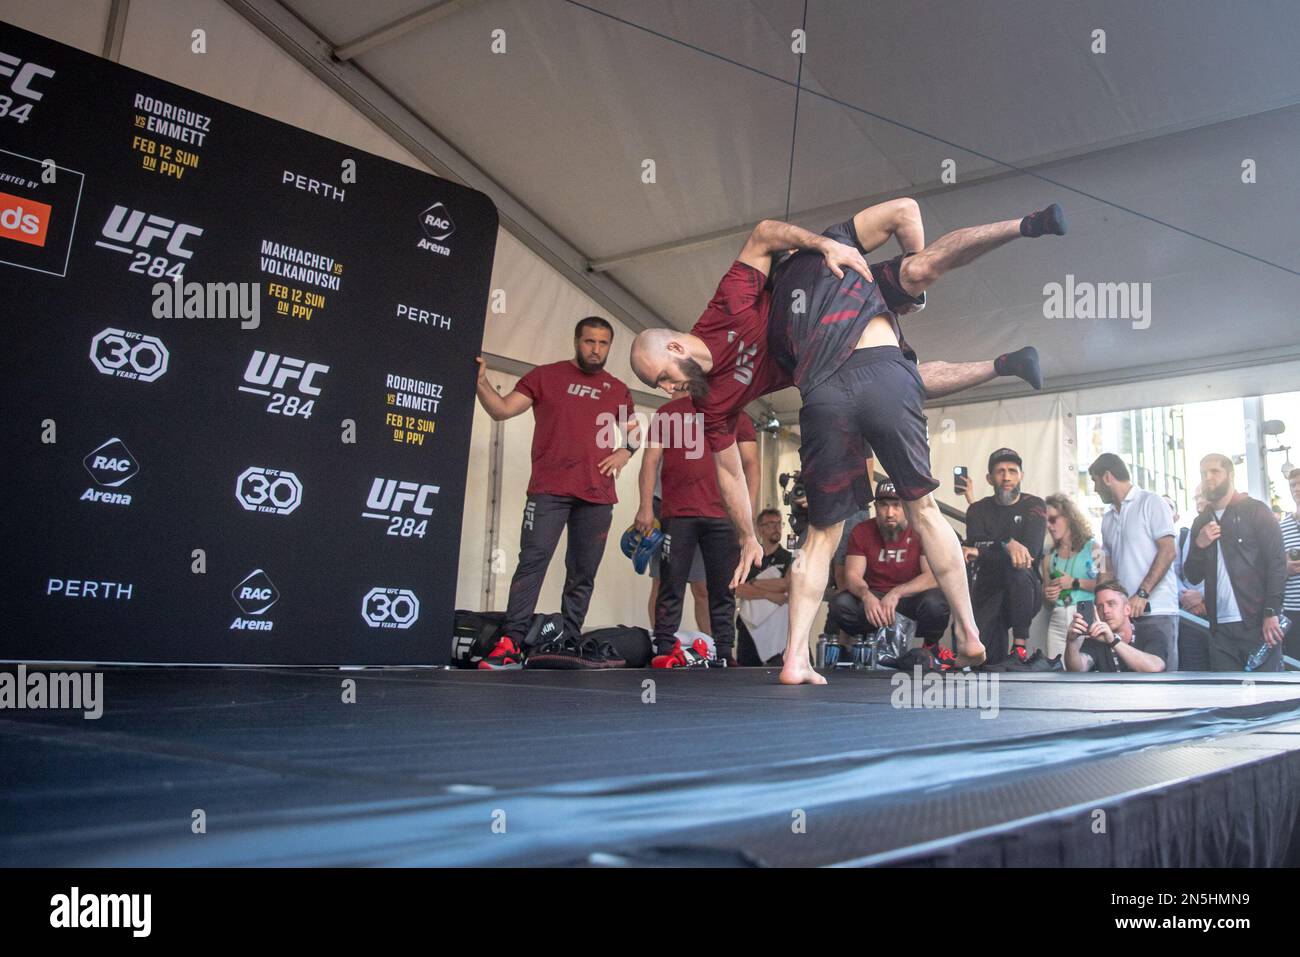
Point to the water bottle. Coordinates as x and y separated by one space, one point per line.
1257 659
828 651
861 654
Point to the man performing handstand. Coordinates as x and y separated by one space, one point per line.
828 323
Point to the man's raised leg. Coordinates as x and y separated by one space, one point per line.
962 246
945 378
943 552
808 577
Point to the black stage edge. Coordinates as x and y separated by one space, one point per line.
448 768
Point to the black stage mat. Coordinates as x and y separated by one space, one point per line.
438 767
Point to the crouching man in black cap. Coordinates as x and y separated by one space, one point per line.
885 572
1004 541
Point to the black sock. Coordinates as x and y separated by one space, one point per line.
1045 222
1022 363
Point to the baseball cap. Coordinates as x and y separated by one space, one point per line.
885 489
1005 455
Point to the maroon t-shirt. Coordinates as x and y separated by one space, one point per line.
889 564
573 409
688 478
734 327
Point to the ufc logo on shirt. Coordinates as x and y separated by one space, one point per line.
581 390
22 76
745 363
896 555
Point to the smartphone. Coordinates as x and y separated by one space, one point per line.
1088 612
959 479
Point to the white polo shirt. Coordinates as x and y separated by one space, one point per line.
1129 533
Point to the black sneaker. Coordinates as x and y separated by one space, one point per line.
1035 662
570 654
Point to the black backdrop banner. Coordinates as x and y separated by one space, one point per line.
238 378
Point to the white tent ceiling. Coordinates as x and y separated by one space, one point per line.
1142 145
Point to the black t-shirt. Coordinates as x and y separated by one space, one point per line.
1103 657
1106 659
781 558
989 524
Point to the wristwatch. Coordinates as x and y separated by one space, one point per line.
1115 642
1143 594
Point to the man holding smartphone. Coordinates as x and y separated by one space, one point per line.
1236 549
1101 637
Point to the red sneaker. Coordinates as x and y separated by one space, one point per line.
504 657
674 659
943 657
694 656
1019 655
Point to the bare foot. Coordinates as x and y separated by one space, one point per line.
795 674
970 654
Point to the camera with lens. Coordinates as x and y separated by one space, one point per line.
795 497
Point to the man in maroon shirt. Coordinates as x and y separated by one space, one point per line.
693 516
833 331
572 482
885 572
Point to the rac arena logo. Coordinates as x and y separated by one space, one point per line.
255 595
24 220
111 465
437 225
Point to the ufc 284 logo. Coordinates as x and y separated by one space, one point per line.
388 501
142 230
282 374
23 75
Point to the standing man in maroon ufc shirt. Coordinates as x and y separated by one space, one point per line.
572 482
694 517
828 324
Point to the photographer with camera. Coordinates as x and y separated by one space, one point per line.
1101 637
885 574
1291 542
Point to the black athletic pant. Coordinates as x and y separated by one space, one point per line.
1193 646
1004 597
716 540
1233 642
928 609
545 517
